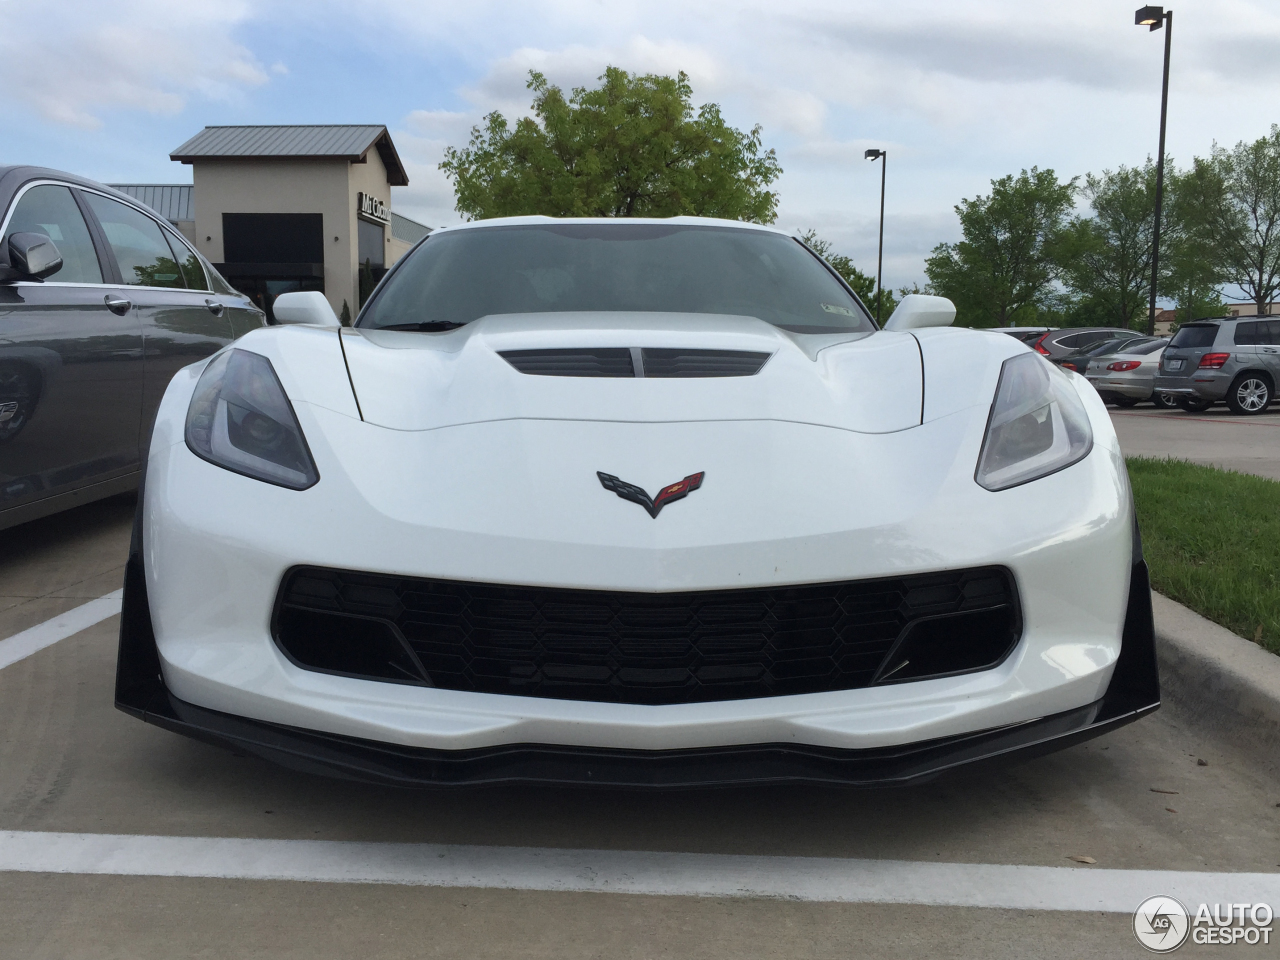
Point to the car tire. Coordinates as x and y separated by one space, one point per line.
1165 401
19 394
1250 394
1194 406
1125 402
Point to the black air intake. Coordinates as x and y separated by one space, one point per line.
666 362
600 362
645 648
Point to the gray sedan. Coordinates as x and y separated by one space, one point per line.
101 302
1127 377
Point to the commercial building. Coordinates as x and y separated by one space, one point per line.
283 208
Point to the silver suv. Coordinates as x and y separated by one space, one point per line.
1236 359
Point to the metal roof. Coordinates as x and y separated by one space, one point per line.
171 200
294 142
410 231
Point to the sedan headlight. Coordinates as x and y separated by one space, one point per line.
1038 425
240 419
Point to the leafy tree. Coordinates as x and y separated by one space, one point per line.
632 147
1232 205
1107 259
863 284
1004 270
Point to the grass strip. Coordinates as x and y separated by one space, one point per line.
1212 541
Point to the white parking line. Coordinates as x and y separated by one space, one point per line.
810 879
24 644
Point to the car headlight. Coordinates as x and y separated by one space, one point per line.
1038 425
240 419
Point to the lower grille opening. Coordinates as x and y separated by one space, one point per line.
353 646
646 648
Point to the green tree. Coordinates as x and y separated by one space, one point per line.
632 147
1004 270
1231 202
1107 259
863 284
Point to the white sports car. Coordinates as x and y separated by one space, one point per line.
639 502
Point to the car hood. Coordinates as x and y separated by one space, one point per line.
863 382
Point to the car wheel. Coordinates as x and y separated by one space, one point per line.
1194 406
1124 402
1165 401
1250 394
19 393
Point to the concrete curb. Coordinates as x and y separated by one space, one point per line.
1220 680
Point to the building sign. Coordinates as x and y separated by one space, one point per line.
372 208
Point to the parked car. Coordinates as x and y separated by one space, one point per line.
101 302
1236 359
632 502
1128 376
1058 343
1077 361
1025 334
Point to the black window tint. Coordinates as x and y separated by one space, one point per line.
1195 335
1150 346
141 250
1250 332
192 268
1070 342
461 276
1273 333
52 211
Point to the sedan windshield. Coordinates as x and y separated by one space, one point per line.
457 277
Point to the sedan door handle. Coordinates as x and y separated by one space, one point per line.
117 305
214 307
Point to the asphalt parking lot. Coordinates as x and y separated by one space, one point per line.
1215 437
1137 800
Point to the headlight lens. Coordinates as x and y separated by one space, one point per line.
1038 425
240 419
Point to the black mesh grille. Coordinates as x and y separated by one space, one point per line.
666 362
642 648
602 362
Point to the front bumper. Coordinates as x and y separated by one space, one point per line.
1133 692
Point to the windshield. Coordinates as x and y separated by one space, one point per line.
454 278
1195 335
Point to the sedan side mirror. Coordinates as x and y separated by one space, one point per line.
34 255
308 306
918 310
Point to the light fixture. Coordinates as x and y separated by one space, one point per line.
1149 16
883 156
1155 18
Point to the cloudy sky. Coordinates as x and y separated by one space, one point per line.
958 92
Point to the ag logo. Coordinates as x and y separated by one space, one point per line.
1161 924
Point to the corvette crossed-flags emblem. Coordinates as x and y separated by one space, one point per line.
654 505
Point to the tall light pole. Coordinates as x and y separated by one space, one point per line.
1155 18
882 156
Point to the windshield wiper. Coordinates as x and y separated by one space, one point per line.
423 325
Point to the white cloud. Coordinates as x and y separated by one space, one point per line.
144 55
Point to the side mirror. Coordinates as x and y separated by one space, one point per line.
308 306
917 310
34 255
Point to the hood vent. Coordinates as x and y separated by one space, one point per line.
604 362
664 362
636 362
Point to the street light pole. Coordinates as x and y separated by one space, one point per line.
882 156
1155 18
